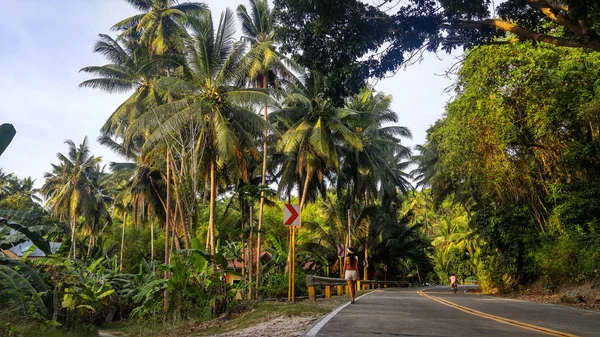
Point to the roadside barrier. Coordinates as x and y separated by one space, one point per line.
341 286
471 282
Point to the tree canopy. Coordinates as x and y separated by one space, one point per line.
353 40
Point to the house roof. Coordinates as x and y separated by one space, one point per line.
309 266
237 264
22 248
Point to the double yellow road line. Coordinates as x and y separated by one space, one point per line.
499 319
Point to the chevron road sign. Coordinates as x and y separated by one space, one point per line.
291 215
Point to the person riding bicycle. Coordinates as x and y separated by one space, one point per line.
453 280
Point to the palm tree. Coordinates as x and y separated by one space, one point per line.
161 25
7 181
382 160
130 69
266 65
140 188
68 189
430 173
392 240
210 105
377 163
316 127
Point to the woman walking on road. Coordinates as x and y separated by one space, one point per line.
351 274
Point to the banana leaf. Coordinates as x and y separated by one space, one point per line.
21 292
7 133
37 239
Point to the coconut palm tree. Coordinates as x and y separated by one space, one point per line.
266 66
377 163
161 25
7 181
210 116
382 160
140 187
316 127
129 69
68 189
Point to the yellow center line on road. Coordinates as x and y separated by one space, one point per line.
499 319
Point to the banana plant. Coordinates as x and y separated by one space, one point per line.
22 234
24 287
190 277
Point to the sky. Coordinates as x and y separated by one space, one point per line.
45 42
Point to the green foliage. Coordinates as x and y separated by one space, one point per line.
11 326
23 234
518 149
20 292
567 257
400 32
192 288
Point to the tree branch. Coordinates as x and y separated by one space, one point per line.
559 5
593 44
558 18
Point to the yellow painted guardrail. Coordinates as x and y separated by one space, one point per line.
341 287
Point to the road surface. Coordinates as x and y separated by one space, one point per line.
436 311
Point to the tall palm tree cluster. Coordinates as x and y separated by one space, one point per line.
212 116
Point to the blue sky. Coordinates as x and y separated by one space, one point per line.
46 42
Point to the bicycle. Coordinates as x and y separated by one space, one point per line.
454 288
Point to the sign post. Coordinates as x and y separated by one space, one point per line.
291 218
385 270
340 251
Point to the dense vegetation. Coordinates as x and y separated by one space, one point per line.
525 166
219 132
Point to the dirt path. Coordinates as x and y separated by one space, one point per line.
282 326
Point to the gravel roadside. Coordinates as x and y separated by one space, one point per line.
278 326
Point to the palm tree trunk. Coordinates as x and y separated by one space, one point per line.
250 249
168 210
304 192
262 194
151 241
176 183
244 249
175 236
122 241
91 243
366 268
167 222
213 197
73 239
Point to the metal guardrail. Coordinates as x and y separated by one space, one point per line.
327 282
471 282
341 285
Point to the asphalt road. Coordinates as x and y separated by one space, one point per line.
436 311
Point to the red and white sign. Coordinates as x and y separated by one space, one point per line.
340 249
291 215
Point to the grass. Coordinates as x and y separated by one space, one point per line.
27 327
244 316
